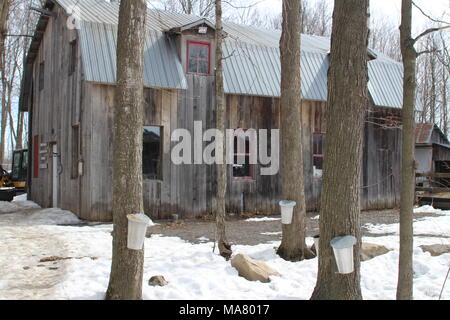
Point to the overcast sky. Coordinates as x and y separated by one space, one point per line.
439 9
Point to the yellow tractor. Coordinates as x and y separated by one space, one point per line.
7 190
16 181
19 171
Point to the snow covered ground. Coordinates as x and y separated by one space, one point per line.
192 270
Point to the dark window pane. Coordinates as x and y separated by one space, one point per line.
193 51
318 163
203 67
203 52
198 58
193 66
41 75
242 170
151 153
241 163
16 166
73 56
25 160
75 151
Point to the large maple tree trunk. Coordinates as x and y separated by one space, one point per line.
224 246
409 55
346 108
293 245
127 265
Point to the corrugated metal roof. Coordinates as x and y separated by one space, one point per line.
386 83
256 70
162 67
252 66
424 132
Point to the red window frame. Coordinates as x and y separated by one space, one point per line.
188 58
36 159
252 167
315 154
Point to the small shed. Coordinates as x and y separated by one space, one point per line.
433 166
432 149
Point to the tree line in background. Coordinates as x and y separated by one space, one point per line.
16 27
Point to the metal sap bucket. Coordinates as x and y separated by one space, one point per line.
287 210
343 253
137 228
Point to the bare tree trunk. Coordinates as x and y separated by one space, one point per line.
445 107
127 265
293 245
346 109
405 276
4 13
19 130
224 246
433 92
4 111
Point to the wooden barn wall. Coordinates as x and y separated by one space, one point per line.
381 160
262 194
184 189
55 109
188 190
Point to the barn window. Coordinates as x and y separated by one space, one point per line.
242 168
41 75
75 151
73 56
198 57
152 153
318 147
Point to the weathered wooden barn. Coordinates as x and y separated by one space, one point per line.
68 90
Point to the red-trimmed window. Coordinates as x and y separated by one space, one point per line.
243 170
36 158
198 57
318 148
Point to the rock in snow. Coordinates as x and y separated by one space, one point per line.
371 250
436 249
252 270
157 281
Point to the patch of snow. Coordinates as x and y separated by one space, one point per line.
271 233
22 197
262 219
436 226
316 217
192 270
6 207
18 203
430 209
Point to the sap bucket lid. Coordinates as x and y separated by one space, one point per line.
343 242
139 217
288 203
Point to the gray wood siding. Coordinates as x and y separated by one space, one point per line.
184 189
55 109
